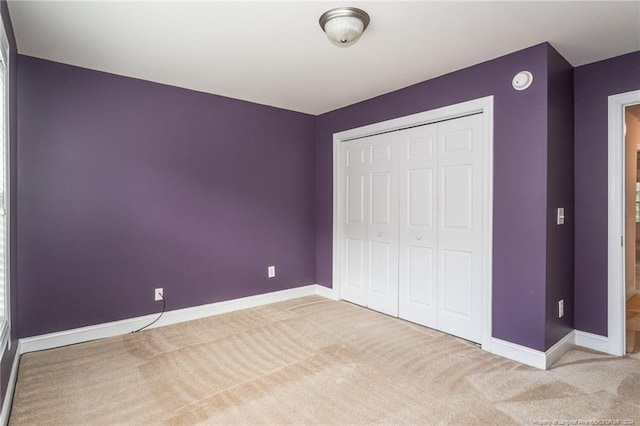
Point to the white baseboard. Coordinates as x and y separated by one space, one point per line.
326 292
116 328
555 352
8 396
532 357
592 341
519 353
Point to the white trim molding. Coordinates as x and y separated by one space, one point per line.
592 341
116 328
326 292
615 231
562 346
11 385
532 357
518 353
480 105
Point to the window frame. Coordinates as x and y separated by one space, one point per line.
5 322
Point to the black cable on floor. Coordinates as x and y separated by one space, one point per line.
164 305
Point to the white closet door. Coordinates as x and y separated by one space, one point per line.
355 248
382 294
417 221
413 225
370 270
460 227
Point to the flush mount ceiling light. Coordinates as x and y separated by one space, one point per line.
344 25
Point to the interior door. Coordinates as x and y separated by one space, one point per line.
370 270
417 224
382 291
460 227
356 200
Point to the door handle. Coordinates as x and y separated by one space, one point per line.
419 237
379 234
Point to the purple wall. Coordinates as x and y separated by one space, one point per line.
560 239
593 84
520 179
126 185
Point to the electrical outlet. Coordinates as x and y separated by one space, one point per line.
560 308
271 271
560 216
158 294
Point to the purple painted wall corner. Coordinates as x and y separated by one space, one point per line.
560 184
593 84
126 185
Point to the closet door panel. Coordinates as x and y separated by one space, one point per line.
382 226
355 246
459 222
417 230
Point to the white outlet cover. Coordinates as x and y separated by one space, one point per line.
271 271
156 296
560 216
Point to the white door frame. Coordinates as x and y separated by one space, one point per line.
480 105
615 260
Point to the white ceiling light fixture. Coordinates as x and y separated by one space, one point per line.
344 25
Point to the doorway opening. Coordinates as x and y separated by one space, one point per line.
632 227
618 241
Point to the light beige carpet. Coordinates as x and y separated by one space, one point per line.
313 361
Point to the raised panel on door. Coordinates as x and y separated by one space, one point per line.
459 227
355 266
355 198
417 230
381 198
456 268
382 294
419 290
456 204
380 282
354 271
420 186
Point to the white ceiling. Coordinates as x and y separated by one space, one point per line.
275 53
